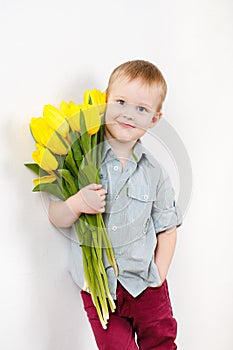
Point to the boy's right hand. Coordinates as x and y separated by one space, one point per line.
89 200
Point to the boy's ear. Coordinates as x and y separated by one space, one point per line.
155 119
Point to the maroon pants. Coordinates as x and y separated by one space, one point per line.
148 316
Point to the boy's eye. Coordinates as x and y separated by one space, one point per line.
121 102
141 109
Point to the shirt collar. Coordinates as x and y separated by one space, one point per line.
106 148
139 152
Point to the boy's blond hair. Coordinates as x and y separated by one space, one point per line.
140 69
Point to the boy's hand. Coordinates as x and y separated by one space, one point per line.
89 200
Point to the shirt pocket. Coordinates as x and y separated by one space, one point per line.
140 193
140 206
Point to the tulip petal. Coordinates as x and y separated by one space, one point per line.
65 108
87 97
56 119
46 136
74 121
92 118
56 145
45 159
74 108
44 179
94 97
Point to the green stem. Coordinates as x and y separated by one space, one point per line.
100 287
110 299
108 248
88 272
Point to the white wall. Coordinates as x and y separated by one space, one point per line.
54 50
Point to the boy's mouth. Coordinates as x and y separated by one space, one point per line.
125 124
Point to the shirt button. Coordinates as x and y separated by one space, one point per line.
117 196
145 196
114 228
115 168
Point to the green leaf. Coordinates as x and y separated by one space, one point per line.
62 140
65 173
62 185
94 150
101 129
70 163
87 175
60 159
93 141
92 222
50 188
85 138
77 152
82 180
73 136
36 169
100 141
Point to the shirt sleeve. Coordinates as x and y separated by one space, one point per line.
165 213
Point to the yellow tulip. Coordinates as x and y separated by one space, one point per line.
56 119
94 97
45 136
65 108
74 108
74 121
44 179
45 159
92 118
71 110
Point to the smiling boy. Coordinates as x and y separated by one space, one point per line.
138 112
137 199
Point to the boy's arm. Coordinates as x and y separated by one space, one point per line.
89 200
166 242
60 214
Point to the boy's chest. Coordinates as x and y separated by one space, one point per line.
129 203
129 200
136 181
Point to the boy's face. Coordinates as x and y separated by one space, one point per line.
132 109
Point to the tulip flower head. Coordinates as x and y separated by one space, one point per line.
94 97
45 159
92 118
74 121
69 108
46 136
56 119
72 114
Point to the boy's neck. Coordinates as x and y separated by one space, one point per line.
122 149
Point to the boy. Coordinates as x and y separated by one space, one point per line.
140 214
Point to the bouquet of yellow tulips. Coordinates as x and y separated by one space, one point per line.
67 158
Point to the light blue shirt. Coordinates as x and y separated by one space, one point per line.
140 203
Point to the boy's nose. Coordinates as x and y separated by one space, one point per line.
129 112
129 116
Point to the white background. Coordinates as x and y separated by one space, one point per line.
54 50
